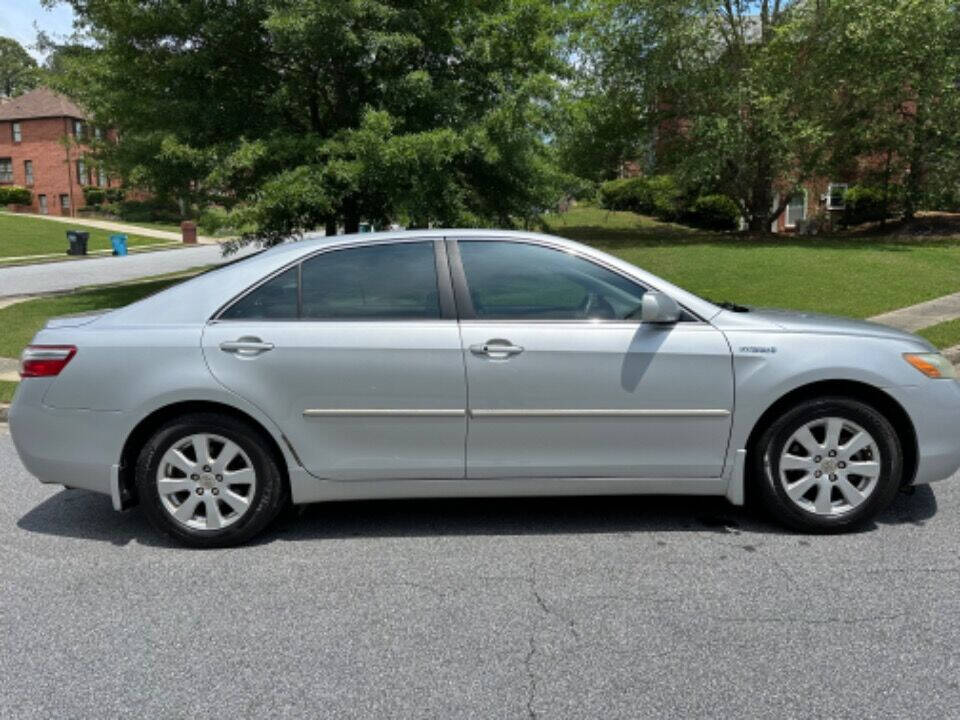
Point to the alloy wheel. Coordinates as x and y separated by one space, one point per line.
830 466
206 482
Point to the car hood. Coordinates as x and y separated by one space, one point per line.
809 322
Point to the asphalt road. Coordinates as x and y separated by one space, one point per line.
610 608
71 274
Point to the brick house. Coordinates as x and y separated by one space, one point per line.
34 152
820 197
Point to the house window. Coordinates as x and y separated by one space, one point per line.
78 129
102 177
6 170
64 202
835 193
17 135
28 171
796 208
81 172
42 199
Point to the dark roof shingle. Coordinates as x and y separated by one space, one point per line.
40 103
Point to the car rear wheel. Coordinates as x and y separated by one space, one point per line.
209 480
828 465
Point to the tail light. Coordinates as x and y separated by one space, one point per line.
45 360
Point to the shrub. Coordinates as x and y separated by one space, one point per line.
617 194
148 211
863 204
94 195
657 195
114 195
15 195
213 220
713 212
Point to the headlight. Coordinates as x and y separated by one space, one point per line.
933 365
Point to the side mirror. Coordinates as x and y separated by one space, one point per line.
659 308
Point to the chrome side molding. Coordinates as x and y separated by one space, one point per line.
491 413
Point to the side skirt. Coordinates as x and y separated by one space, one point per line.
305 488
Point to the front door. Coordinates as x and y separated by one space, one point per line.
355 354
564 381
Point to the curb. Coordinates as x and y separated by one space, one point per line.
952 354
4 413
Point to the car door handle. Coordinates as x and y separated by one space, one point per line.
246 346
496 349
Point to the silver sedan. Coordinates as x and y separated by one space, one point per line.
472 363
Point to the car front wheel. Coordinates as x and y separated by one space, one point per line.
828 465
209 480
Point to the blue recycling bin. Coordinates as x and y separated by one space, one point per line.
119 243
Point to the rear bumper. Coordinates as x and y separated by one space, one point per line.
75 448
934 409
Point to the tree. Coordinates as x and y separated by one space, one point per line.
713 83
18 71
892 111
310 113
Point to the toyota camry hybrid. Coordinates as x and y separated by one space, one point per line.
472 363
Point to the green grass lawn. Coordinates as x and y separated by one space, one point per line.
21 322
20 236
943 335
855 276
6 391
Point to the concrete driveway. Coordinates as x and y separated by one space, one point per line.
613 608
71 274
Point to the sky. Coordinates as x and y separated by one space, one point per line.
17 19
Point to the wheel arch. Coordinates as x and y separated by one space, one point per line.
142 432
869 394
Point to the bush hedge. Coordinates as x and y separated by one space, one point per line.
657 195
863 204
148 211
15 195
661 197
94 195
713 212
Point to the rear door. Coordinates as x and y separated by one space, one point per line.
565 381
355 353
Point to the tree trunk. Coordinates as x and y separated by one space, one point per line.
331 226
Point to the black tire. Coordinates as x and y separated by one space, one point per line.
766 470
270 494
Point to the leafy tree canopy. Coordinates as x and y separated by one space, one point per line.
311 113
18 71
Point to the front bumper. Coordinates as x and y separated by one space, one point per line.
934 410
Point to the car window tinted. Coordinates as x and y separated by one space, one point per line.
509 280
276 299
377 281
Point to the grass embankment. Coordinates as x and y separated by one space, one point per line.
859 276
22 236
943 335
21 322
6 391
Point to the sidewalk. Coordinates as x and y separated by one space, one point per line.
70 274
922 315
118 227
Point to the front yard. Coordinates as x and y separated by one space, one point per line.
855 276
22 236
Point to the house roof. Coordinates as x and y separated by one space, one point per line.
40 103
